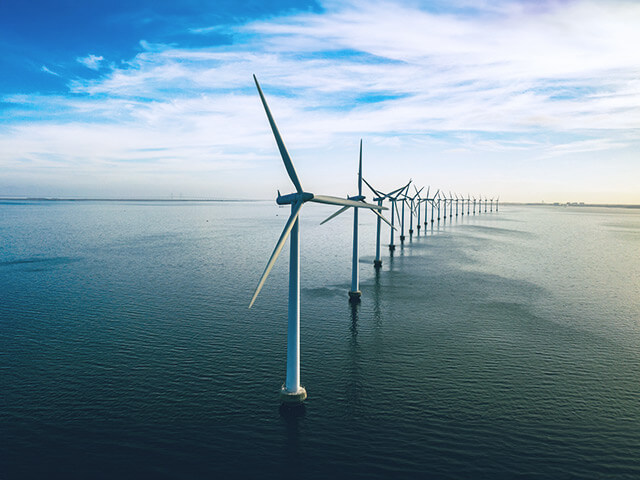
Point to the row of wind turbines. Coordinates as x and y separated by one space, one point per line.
292 392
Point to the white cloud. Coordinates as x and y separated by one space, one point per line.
91 61
47 70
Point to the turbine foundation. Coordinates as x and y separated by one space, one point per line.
377 264
354 297
392 248
288 397
402 237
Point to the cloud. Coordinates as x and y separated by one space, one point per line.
528 79
91 61
50 72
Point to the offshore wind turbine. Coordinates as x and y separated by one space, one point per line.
474 205
420 200
497 200
456 204
412 209
485 204
404 202
468 202
379 197
450 205
292 391
355 293
432 200
444 205
491 205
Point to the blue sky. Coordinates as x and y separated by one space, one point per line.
529 100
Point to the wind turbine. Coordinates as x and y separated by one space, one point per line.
420 200
474 205
292 391
456 204
432 200
404 202
412 209
461 204
497 200
450 205
379 197
444 202
485 204
355 293
468 202
491 200
394 211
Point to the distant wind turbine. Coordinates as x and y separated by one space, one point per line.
354 293
450 205
379 198
404 202
412 208
292 391
420 200
444 206
497 200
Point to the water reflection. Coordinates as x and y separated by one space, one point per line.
292 416
354 380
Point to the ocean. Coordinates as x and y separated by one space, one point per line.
499 345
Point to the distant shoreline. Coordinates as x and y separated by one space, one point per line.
238 200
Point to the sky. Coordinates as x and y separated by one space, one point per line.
529 100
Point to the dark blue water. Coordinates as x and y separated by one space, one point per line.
504 345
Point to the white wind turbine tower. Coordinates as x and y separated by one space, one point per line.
450 205
292 391
497 200
444 206
491 200
394 212
474 205
432 200
355 293
456 204
485 204
468 202
420 200
404 201
412 209
379 197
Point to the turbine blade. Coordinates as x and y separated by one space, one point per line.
375 192
343 209
276 251
384 219
288 164
344 202
360 171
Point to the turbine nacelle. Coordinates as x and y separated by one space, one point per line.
292 198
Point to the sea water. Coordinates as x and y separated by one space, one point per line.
497 345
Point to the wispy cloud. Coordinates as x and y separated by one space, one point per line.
47 70
91 61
